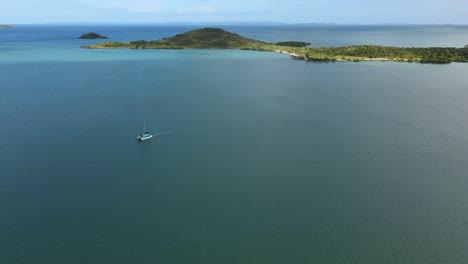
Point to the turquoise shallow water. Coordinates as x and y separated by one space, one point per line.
268 160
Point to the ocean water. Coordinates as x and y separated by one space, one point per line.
263 159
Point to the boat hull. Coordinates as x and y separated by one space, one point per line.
145 138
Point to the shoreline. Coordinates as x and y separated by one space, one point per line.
293 55
304 58
207 38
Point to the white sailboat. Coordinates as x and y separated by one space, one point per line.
144 134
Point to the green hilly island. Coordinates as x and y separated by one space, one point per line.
216 38
92 35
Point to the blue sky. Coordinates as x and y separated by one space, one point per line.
292 11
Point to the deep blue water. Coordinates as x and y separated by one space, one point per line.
266 159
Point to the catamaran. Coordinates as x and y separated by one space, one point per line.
144 134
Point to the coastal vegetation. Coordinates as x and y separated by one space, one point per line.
209 38
371 52
92 35
300 44
142 44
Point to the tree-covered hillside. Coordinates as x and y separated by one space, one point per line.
210 38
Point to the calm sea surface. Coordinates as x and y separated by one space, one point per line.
263 159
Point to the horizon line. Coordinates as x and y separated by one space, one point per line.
237 23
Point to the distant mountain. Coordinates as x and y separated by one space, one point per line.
175 23
245 23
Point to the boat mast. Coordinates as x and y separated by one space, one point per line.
144 127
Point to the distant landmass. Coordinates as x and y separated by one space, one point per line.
92 35
209 38
7 26
206 38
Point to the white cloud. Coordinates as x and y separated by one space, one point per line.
206 9
179 7
199 9
139 6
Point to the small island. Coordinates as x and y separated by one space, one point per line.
7 26
92 35
216 38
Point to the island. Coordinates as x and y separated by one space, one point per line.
217 38
92 35
7 26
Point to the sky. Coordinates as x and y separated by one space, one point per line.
199 11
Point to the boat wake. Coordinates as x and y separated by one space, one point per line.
162 133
